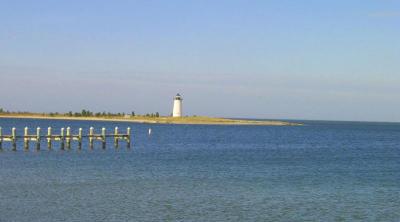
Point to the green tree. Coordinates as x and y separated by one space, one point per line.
157 114
86 113
133 113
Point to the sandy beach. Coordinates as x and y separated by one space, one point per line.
157 120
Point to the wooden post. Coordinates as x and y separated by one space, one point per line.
38 138
103 136
80 138
49 138
68 138
116 137
1 138
62 138
128 137
26 139
14 139
65 138
91 131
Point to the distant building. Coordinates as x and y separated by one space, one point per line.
177 111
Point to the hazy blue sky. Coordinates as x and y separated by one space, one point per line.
311 59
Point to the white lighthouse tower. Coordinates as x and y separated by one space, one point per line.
177 111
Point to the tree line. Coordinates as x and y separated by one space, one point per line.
87 113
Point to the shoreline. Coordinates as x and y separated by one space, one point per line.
159 120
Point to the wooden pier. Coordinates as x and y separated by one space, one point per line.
65 138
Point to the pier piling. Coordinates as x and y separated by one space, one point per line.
49 137
128 137
80 138
26 139
62 139
91 132
1 138
116 137
14 139
103 136
68 138
38 138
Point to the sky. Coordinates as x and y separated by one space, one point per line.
273 59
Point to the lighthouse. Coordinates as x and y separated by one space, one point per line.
177 111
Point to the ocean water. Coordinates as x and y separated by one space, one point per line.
322 171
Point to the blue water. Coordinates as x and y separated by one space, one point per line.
322 171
